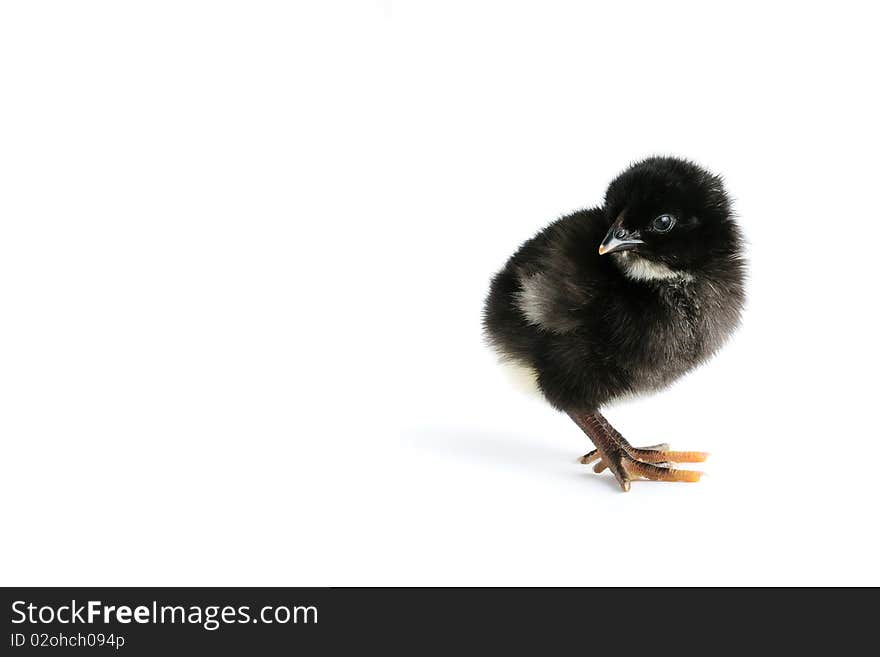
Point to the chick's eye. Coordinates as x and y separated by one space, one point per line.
664 223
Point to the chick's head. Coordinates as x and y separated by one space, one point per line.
669 214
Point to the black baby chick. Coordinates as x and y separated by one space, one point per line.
623 300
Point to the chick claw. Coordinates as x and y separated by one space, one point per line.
647 463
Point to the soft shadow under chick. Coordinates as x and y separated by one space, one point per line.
623 300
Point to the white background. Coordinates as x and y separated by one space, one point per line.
243 253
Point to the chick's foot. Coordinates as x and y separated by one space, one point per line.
635 468
627 462
656 454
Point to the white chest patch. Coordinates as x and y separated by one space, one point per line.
641 269
522 376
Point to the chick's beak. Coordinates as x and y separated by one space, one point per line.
619 239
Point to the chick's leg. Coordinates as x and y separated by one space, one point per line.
608 448
658 454
626 462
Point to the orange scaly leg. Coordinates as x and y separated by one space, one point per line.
626 462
